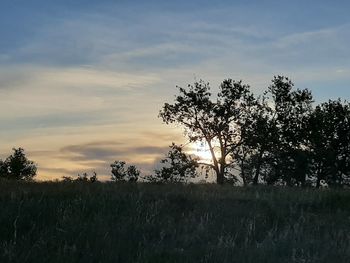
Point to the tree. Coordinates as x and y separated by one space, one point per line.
67 179
218 122
329 135
286 146
118 171
3 169
257 136
132 173
121 173
93 177
177 165
83 178
17 166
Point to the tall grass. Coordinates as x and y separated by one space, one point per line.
82 222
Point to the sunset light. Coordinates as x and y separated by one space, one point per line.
174 131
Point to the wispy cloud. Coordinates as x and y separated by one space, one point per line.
78 82
36 95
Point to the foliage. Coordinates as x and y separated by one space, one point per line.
118 171
178 166
85 178
257 137
211 120
17 166
132 173
273 144
3 169
329 136
291 110
276 138
121 173
67 179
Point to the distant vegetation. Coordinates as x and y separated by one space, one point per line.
177 166
84 178
121 173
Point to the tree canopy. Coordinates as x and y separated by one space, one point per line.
218 121
278 137
177 166
17 166
122 173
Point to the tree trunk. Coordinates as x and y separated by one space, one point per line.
220 177
217 169
257 171
318 176
243 174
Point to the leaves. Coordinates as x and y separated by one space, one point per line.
275 138
178 166
17 166
212 120
121 173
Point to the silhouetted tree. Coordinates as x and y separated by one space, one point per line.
93 177
288 153
277 138
256 139
3 169
82 178
85 178
178 165
121 173
17 166
67 179
218 121
118 171
329 135
132 173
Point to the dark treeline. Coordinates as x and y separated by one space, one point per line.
279 137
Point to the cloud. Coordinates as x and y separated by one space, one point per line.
48 170
98 155
107 151
91 151
77 78
38 97
95 76
55 120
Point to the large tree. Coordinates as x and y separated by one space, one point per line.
217 121
257 138
273 137
290 111
329 135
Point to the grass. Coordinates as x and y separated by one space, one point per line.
63 222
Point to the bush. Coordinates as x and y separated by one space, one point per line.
121 173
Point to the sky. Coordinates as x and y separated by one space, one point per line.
82 82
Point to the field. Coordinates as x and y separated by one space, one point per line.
96 222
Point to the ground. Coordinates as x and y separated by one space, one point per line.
109 222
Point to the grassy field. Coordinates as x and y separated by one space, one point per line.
77 222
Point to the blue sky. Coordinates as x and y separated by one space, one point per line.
81 82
